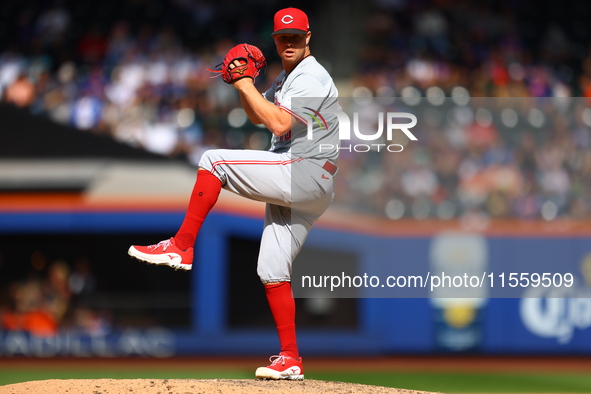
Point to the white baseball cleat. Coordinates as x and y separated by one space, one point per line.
282 367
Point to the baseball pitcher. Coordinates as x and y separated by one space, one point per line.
294 178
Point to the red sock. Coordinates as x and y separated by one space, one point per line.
203 197
282 307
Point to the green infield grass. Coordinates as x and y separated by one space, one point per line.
446 382
426 381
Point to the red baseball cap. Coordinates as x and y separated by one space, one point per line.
290 21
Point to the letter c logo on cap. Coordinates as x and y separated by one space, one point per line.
287 19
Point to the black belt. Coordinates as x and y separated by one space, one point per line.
331 168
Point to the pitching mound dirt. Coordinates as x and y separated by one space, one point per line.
194 386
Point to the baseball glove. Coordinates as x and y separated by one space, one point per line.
251 62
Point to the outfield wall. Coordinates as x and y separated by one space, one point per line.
374 321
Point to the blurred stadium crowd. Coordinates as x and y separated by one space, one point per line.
136 70
42 304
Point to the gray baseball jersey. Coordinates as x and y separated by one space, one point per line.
292 177
309 95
